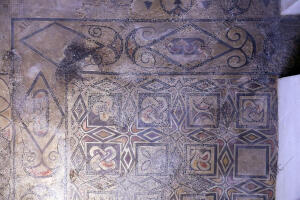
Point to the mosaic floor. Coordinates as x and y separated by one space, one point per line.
158 100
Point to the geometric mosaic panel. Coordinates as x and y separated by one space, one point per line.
154 109
253 111
201 159
257 166
164 100
152 159
203 110
103 158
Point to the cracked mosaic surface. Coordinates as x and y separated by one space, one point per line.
158 100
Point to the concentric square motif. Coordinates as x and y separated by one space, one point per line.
152 159
253 111
103 158
203 110
257 166
154 110
104 110
201 160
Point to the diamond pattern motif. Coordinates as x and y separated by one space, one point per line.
228 111
59 34
127 159
106 85
225 160
129 109
79 109
178 111
201 135
252 136
104 134
252 86
155 85
151 135
78 158
194 61
250 186
204 85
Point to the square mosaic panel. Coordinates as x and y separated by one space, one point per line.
258 169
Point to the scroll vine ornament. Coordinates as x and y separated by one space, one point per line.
40 163
40 160
243 47
154 110
253 111
41 146
239 48
108 45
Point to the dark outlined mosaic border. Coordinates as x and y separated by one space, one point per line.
170 20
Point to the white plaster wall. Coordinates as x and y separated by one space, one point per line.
288 179
290 7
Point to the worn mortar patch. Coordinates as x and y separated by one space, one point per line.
74 53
